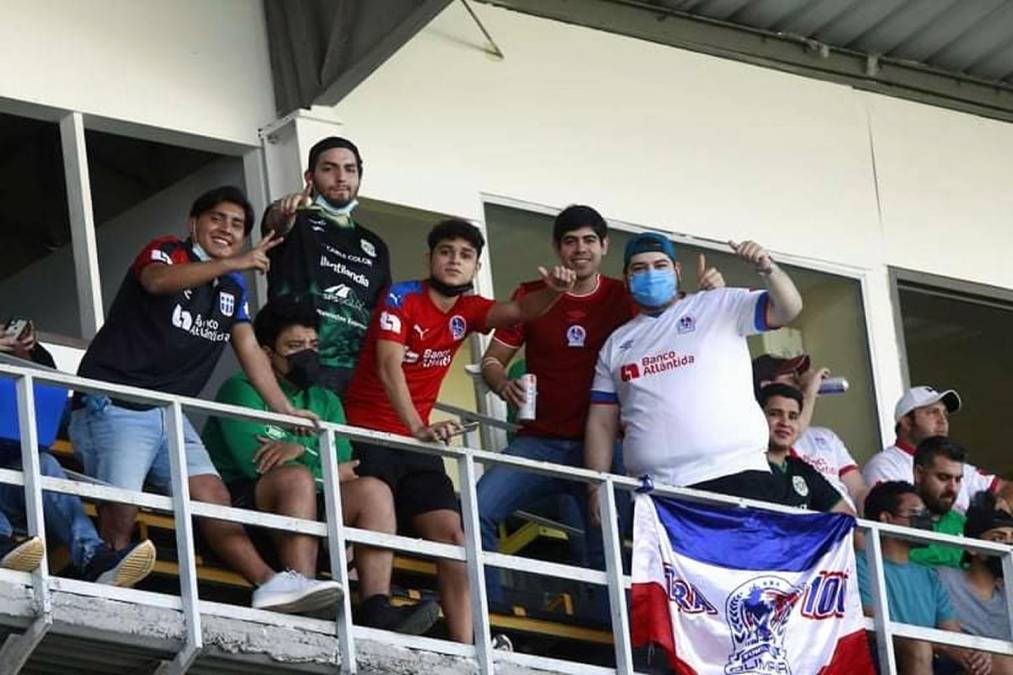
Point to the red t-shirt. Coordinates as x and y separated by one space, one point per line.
562 348
431 338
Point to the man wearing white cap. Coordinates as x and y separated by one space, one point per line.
923 412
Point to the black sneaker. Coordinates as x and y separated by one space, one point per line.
23 557
120 568
378 612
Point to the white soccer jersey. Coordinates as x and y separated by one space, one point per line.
822 449
897 463
683 383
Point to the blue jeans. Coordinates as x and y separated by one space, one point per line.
127 448
502 490
64 514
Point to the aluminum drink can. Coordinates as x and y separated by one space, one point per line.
834 385
526 412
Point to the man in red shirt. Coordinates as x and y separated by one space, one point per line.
560 348
409 347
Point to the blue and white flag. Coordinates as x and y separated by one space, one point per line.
731 591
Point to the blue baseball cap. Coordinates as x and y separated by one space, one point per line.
645 242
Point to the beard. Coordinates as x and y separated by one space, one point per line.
940 505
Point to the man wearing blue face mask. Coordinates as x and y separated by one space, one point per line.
679 376
327 257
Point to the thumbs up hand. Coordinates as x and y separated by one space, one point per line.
707 278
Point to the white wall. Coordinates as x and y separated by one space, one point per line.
193 66
688 143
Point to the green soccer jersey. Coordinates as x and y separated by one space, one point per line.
940 555
232 443
342 270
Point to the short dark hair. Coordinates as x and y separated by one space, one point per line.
779 389
225 193
576 216
281 313
329 143
936 446
455 228
885 497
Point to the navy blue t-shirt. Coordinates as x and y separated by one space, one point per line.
168 343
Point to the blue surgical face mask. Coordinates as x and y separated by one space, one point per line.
653 288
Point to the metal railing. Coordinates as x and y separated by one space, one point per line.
337 535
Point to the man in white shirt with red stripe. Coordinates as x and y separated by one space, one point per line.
920 413
679 376
819 446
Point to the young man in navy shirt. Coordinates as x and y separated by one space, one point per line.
179 304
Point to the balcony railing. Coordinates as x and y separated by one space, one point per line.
338 535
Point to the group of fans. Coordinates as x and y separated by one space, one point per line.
633 375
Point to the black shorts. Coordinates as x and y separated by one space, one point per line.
419 482
760 485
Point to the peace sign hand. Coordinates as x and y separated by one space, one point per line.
256 258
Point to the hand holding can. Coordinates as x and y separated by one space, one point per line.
526 412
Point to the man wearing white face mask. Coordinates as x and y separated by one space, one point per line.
680 378
327 257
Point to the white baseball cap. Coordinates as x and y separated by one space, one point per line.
919 397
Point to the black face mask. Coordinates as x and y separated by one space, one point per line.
994 565
921 521
448 290
303 368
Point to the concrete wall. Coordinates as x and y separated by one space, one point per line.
188 65
688 143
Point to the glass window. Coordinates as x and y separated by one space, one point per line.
831 328
958 338
37 278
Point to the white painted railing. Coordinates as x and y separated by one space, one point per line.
337 535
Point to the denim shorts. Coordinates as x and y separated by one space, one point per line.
130 448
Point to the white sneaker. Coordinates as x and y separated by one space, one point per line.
292 593
502 643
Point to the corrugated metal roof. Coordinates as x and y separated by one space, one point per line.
968 37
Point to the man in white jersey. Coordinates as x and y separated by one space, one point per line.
679 377
920 413
819 446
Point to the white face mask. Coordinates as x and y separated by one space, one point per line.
198 250
329 209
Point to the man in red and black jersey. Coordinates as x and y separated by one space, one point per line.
179 304
560 349
409 348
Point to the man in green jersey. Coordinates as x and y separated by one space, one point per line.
271 469
938 473
328 257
